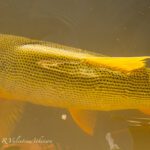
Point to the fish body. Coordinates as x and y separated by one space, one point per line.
48 74
52 75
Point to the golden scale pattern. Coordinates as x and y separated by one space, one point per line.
54 75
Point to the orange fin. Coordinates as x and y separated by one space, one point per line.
10 112
145 111
85 119
120 63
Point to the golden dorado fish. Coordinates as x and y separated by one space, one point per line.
48 74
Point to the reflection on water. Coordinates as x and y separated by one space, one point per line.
32 147
117 28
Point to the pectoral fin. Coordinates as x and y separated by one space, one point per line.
85 119
119 63
10 112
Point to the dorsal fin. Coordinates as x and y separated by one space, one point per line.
120 63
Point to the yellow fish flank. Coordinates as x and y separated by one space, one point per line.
53 75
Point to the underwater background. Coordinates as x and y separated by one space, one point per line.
109 27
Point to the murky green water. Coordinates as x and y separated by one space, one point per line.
110 27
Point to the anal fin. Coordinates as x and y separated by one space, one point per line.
145 111
85 119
